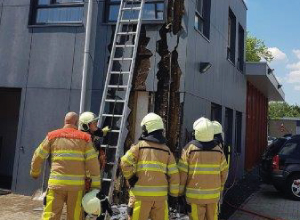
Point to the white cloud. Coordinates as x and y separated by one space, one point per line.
297 88
294 66
293 77
297 53
277 54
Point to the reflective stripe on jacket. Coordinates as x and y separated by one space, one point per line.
203 174
156 169
72 153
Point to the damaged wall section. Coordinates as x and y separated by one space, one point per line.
167 97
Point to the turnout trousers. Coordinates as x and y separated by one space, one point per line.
204 211
54 203
144 210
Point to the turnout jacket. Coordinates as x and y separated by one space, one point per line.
71 153
156 169
203 173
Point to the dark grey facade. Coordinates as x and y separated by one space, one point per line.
45 62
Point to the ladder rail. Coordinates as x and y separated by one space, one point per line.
110 64
123 121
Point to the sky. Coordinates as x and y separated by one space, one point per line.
277 23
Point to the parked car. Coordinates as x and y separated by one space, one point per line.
286 168
270 140
265 168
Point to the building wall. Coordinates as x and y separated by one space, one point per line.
46 63
256 130
223 83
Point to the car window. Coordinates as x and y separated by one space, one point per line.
292 147
275 146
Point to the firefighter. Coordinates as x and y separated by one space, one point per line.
152 173
71 152
218 133
203 172
88 123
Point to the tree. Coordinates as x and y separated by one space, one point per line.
256 50
282 109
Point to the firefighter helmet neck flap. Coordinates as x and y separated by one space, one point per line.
204 130
218 132
85 119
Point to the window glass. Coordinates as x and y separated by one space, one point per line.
44 2
291 148
59 15
202 17
200 6
231 36
241 48
151 11
57 12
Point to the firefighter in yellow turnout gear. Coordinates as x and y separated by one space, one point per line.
71 152
203 172
151 170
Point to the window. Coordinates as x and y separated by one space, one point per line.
216 112
241 48
153 11
231 37
56 12
228 126
291 148
202 17
238 131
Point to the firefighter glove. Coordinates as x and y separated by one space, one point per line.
132 181
105 130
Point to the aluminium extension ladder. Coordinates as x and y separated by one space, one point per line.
113 109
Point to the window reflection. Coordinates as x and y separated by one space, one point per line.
59 15
57 11
152 11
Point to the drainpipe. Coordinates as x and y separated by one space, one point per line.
85 67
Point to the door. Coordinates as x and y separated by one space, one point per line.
9 117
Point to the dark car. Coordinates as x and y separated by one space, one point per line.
265 168
286 168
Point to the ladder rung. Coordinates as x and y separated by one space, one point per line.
132 1
111 115
108 146
124 45
117 86
129 21
114 100
123 59
133 8
107 180
122 72
126 33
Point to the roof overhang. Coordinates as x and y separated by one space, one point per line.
262 77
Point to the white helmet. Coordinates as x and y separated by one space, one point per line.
152 122
85 118
204 130
91 204
218 129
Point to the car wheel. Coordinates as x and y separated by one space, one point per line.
293 187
